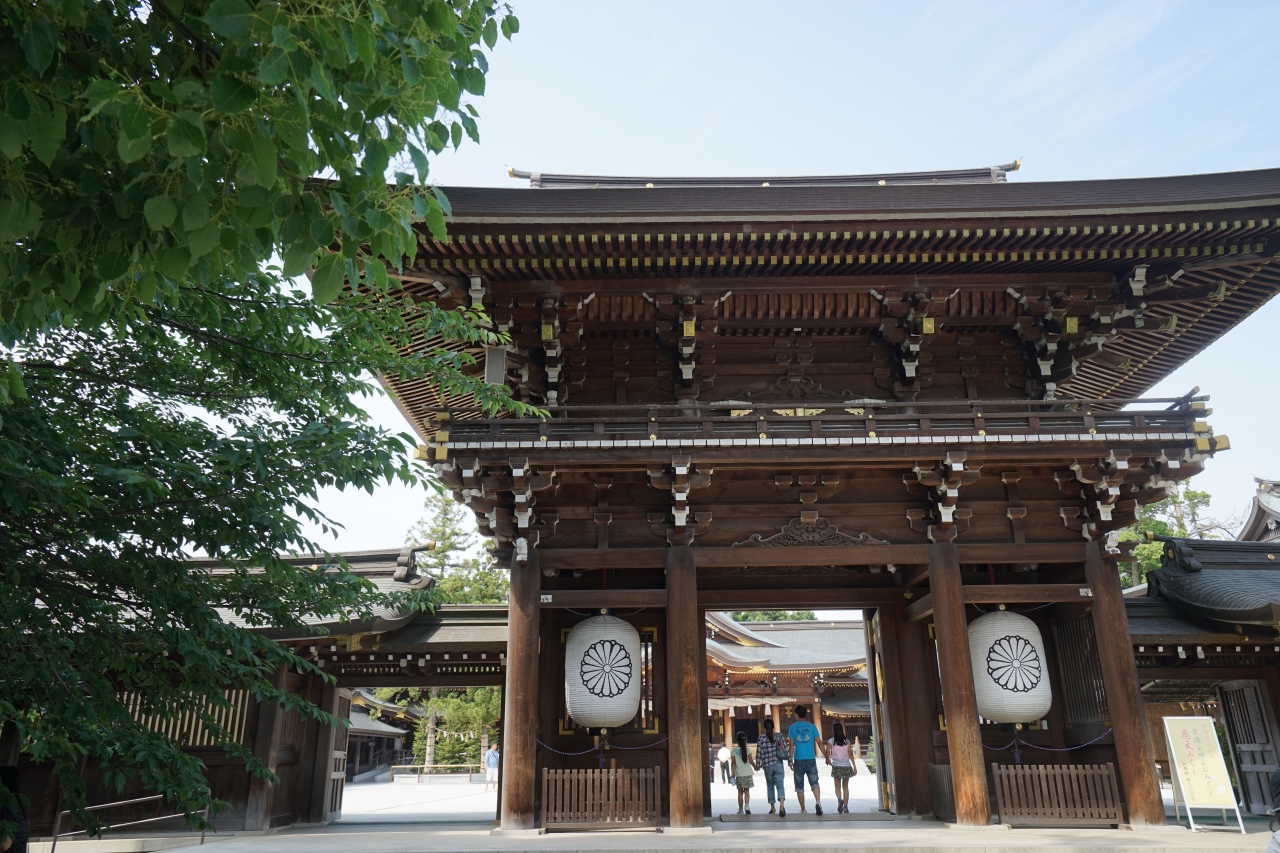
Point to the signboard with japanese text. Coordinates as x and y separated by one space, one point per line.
1200 778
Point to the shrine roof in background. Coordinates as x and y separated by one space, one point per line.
794 646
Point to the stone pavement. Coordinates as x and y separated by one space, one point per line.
896 837
455 817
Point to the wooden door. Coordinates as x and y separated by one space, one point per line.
1251 731
880 736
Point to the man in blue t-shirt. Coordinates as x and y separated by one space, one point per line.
805 738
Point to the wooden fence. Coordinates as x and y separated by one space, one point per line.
601 799
1057 795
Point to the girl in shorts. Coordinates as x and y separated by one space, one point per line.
744 770
840 759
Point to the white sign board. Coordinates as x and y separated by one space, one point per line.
1200 778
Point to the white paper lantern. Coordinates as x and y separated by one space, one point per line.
602 672
1010 671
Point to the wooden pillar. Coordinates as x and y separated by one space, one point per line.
1134 754
816 716
684 670
520 706
9 743
959 699
322 758
266 748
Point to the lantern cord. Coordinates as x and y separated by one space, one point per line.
593 749
575 613
1019 742
645 746
562 752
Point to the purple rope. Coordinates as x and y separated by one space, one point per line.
1019 742
561 751
646 746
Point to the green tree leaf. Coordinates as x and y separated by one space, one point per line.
230 18
327 280
160 212
263 157
185 134
298 258
230 95
38 42
366 42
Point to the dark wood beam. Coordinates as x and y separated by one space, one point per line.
591 599
488 679
918 611
1199 672
588 559
1032 593
799 599
916 575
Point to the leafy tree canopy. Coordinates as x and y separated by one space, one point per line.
774 616
165 390
1184 513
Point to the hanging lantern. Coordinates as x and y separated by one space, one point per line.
1010 671
602 672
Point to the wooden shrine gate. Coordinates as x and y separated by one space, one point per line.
918 400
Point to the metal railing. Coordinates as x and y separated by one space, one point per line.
429 770
57 822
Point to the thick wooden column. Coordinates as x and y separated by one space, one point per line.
959 699
684 671
1124 700
520 706
322 758
266 747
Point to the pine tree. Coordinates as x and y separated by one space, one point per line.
462 575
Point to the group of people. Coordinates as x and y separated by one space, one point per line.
799 751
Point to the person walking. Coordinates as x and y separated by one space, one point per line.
723 757
491 767
804 758
771 752
840 760
744 771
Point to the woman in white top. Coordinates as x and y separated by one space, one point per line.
840 759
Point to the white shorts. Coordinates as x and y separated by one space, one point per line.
491 774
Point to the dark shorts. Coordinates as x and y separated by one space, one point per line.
805 767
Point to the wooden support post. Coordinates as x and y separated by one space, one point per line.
684 670
959 699
322 758
1134 754
9 744
520 706
266 748
704 718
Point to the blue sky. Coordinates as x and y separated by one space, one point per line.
1078 90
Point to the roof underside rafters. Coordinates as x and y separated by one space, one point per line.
811 256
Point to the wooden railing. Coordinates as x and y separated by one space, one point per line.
601 799
1057 795
835 420
430 770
